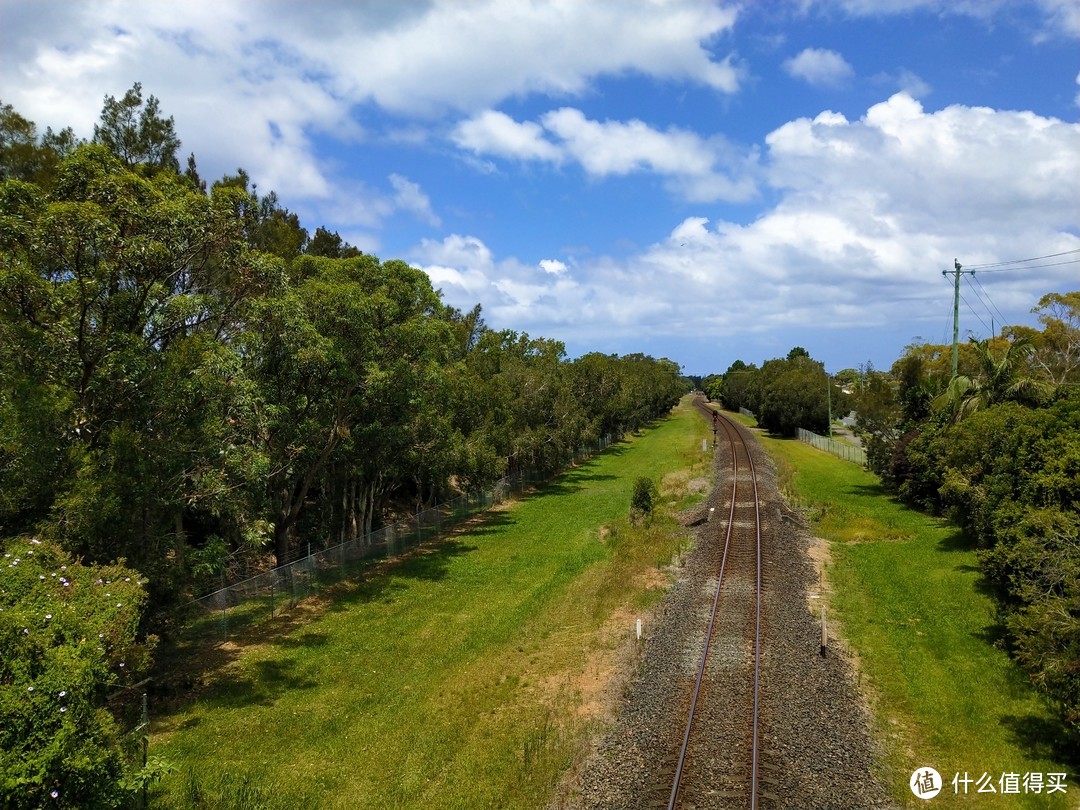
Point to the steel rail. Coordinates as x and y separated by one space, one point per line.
732 433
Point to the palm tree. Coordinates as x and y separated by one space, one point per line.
1000 379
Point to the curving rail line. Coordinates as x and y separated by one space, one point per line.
735 440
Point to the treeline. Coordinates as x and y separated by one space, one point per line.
785 394
997 448
190 385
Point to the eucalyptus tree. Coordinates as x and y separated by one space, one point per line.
118 295
345 363
24 155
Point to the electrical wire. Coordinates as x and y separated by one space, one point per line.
1032 259
1001 317
977 315
1025 267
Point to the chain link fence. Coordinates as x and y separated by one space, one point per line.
213 618
846 451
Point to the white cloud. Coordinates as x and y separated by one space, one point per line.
1059 17
869 212
552 266
512 292
819 67
696 168
1062 17
409 197
498 134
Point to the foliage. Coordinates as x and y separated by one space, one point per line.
712 385
68 636
878 417
183 376
737 385
643 495
1009 474
1000 378
135 132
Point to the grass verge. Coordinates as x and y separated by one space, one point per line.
467 675
919 620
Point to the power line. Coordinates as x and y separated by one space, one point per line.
1001 317
1032 259
1029 266
977 315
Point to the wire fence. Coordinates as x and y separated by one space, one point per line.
846 451
213 618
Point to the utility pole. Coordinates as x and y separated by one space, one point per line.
957 271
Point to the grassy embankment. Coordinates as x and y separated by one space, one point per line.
466 675
915 610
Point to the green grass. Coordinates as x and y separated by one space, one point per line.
915 610
456 678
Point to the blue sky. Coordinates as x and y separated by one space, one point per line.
704 181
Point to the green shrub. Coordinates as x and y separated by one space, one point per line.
68 636
641 501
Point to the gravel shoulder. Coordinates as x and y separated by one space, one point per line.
818 752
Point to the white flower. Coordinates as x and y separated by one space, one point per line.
63 709
30 689
63 692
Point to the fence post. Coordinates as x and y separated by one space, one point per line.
144 724
224 612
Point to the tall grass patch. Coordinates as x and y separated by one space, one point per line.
916 612
462 676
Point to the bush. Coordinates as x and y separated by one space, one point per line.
68 636
641 502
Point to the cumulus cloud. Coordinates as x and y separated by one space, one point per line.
696 168
496 133
819 67
552 266
868 213
513 293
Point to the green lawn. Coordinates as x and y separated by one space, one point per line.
913 606
457 678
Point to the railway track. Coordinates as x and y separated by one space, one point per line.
719 762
